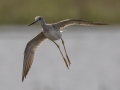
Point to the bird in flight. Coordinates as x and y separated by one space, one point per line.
52 32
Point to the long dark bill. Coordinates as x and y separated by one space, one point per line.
32 23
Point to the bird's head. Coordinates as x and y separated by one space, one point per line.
37 19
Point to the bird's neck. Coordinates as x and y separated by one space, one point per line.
43 24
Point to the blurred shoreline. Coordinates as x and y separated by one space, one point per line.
23 12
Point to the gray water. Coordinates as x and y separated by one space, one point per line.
94 53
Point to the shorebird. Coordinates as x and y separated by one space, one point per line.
52 32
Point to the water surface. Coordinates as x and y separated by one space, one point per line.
94 53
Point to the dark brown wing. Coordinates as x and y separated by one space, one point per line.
68 22
30 51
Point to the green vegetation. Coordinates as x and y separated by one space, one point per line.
24 11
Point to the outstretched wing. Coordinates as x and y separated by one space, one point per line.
68 22
30 51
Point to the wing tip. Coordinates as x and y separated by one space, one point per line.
22 78
103 24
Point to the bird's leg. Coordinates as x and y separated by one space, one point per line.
66 52
61 54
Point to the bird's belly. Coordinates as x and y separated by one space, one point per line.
53 35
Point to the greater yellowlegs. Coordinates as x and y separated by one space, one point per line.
51 32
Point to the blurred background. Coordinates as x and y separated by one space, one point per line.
24 11
94 51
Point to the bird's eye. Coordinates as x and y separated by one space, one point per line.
40 18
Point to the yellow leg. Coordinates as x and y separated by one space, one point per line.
61 54
66 52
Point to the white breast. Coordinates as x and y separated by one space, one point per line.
53 34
